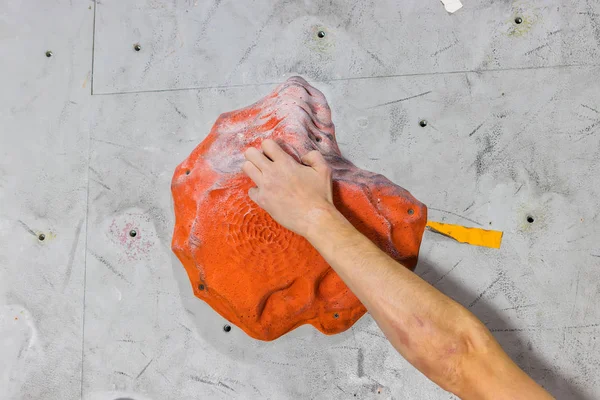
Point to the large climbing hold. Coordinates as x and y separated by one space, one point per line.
255 273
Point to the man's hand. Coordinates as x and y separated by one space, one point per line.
293 194
433 332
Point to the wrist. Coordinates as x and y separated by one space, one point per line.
322 220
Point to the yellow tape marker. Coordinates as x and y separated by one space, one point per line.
462 234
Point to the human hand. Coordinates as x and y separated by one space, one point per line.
294 194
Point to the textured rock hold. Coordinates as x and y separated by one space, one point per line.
255 273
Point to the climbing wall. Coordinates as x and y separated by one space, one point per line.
101 100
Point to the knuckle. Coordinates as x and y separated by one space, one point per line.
267 184
289 161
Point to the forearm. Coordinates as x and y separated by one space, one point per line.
433 332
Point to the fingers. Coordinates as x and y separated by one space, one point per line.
257 158
273 150
253 172
314 159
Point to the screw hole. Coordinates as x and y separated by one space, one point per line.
336 315
49 54
137 47
201 286
530 219
321 34
411 211
227 328
41 237
187 171
132 233
518 20
318 139
423 123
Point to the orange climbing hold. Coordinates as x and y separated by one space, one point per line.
255 273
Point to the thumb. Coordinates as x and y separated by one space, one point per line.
314 159
253 194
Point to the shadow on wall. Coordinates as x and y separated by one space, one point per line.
231 341
512 340
235 344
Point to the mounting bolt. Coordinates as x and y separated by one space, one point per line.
41 236
518 20
137 47
411 211
423 123
227 328
132 233
201 286
49 54
321 34
336 315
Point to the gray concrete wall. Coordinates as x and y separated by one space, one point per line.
91 135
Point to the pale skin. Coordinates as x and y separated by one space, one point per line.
438 336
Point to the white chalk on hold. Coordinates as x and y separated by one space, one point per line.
452 5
